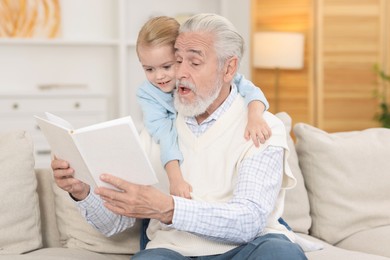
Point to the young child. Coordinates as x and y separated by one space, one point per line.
155 50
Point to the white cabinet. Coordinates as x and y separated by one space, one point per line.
94 56
17 113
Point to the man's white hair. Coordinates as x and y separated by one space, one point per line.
228 42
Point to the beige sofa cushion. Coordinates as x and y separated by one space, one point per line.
75 232
20 217
347 178
297 208
330 252
374 241
71 254
60 253
49 229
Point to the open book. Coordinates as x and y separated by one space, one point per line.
112 147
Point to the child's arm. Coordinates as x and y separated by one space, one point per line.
158 117
177 185
249 91
257 128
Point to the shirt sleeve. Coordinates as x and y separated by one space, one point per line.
243 217
160 124
103 220
249 91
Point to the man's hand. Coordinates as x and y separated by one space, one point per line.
63 177
137 201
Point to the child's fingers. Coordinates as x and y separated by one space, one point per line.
265 134
255 140
188 192
262 138
187 195
269 132
246 134
184 191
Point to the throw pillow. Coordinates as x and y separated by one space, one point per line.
75 232
347 178
20 217
296 207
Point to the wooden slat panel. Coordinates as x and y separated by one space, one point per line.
295 95
350 44
351 36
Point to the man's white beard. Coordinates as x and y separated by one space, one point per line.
200 104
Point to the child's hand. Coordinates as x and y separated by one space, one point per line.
258 130
179 187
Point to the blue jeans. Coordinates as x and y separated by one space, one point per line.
267 247
145 223
144 238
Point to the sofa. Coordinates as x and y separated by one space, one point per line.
341 202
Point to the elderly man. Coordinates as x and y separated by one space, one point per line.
238 189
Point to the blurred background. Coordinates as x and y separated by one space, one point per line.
325 62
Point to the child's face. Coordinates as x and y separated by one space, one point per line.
158 63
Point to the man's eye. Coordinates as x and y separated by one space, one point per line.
179 61
167 67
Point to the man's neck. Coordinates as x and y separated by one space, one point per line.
214 106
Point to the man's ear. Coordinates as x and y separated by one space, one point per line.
231 66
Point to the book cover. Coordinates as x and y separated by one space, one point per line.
112 147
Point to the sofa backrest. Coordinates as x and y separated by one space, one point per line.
20 215
50 234
297 208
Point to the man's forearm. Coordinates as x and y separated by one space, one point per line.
227 222
102 219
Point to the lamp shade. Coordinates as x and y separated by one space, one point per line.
283 50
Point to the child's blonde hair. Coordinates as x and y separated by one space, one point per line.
160 30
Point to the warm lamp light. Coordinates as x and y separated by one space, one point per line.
278 50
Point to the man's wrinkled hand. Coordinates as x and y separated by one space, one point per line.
137 201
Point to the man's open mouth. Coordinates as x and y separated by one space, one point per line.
183 90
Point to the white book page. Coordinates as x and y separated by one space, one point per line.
58 121
106 124
115 150
63 147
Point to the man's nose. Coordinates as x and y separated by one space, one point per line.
181 71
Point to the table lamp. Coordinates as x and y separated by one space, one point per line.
278 50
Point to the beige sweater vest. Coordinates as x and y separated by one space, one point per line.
211 169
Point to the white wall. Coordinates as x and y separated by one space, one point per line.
238 12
